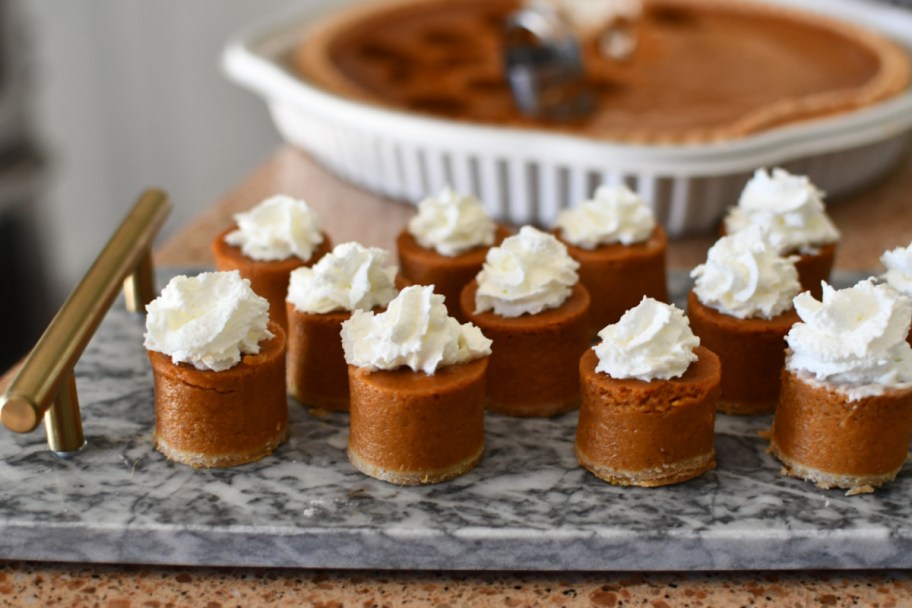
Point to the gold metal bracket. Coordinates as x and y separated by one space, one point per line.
45 387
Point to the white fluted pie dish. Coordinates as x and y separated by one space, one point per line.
528 176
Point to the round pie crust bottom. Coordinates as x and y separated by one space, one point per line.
415 478
650 478
632 432
206 461
823 437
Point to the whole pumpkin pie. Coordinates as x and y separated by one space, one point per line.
320 299
529 301
445 245
741 309
792 212
685 82
648 401
844 418
620 250
417 382
219 388
268 242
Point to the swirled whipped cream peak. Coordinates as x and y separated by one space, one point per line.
789 206
615 214
208 321
451 224
898 263
415 331
351 277
528 273
853 339
745 277
651 341
278 228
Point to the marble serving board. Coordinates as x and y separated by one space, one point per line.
527 506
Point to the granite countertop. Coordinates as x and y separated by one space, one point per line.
872 221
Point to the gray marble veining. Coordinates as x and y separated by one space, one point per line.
527 505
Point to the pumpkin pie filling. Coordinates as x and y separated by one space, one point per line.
206 418
752 352
533 364
617 276
820 435
448 274
413 428
268 279
317 375
660 432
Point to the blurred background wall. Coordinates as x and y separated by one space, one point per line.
128 94
114 96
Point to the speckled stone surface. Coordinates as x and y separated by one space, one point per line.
528 506
93 586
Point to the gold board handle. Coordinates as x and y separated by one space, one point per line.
44 387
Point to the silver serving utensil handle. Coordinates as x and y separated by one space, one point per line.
544 65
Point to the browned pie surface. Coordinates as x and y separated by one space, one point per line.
703 70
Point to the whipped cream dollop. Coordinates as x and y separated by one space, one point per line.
853 339
898 263
615 214
351 277
451 223
789 206
744 276
415 331
651 341
208 320
278 228
528 273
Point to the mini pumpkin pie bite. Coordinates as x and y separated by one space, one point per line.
320 298
529 301
741 308
219 371
792 211
844 418
620 250
267 243
898 275
445 244
417 379
649 393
